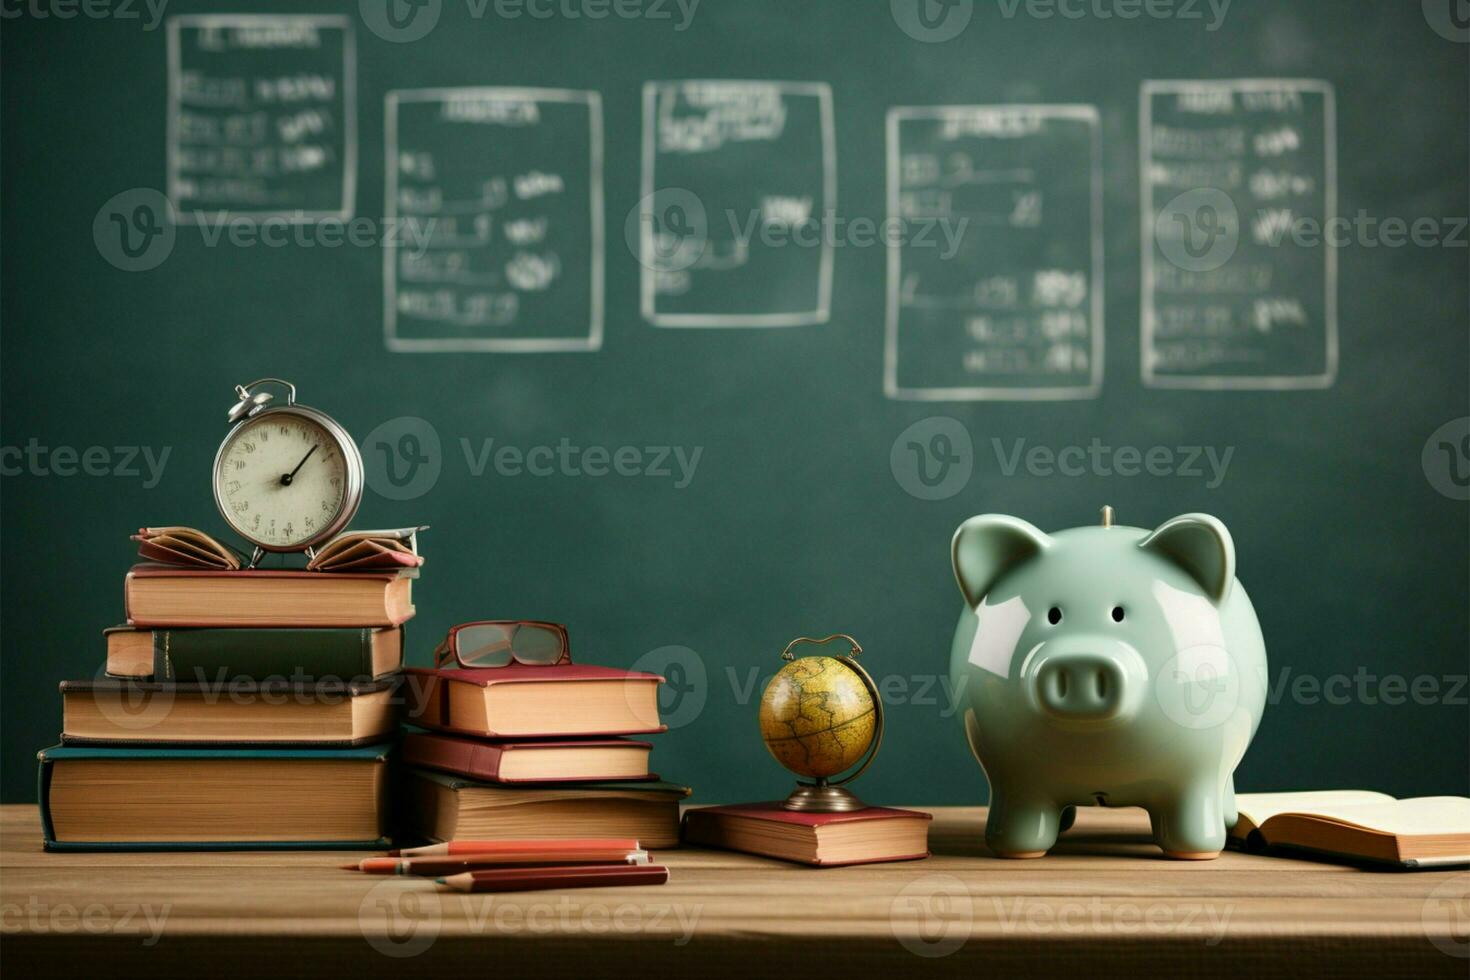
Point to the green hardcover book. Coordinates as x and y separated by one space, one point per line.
213 656
439 806
176 799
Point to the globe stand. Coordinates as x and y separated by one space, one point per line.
822 796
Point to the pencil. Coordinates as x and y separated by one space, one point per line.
538 879
491 846
448 864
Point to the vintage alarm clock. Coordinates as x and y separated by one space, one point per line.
287 477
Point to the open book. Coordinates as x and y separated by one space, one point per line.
1426 831
350 551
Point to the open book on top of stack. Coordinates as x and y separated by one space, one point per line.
237 708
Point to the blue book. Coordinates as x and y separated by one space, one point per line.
165 798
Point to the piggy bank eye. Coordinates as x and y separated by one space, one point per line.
1054 615
1117 614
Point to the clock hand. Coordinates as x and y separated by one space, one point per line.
287 477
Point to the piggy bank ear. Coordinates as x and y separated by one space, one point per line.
1200 545
985 546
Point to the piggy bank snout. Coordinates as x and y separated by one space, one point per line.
1088 683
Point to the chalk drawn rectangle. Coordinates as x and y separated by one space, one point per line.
789 265
344 102
1159 188
583 330
1081 185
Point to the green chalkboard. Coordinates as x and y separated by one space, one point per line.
481 264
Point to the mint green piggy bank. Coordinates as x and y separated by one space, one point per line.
1106 666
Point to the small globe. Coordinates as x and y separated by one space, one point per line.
817 716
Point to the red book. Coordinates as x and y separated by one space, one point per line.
861 836
166 595
566 876
545 761
520 701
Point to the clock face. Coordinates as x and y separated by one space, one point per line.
282 480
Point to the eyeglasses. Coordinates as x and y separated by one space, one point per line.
499 642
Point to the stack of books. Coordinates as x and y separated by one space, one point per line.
238 708
535 752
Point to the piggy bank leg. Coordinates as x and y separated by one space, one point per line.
1227 803
1190 826
1020 827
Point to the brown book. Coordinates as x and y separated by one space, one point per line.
1358 825
520 701
172 798
857 837
164 595
545 761
444 807
113 711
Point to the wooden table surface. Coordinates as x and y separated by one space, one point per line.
1106 903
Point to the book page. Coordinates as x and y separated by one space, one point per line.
1260 807
1425 815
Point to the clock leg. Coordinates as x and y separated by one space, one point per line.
255 558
